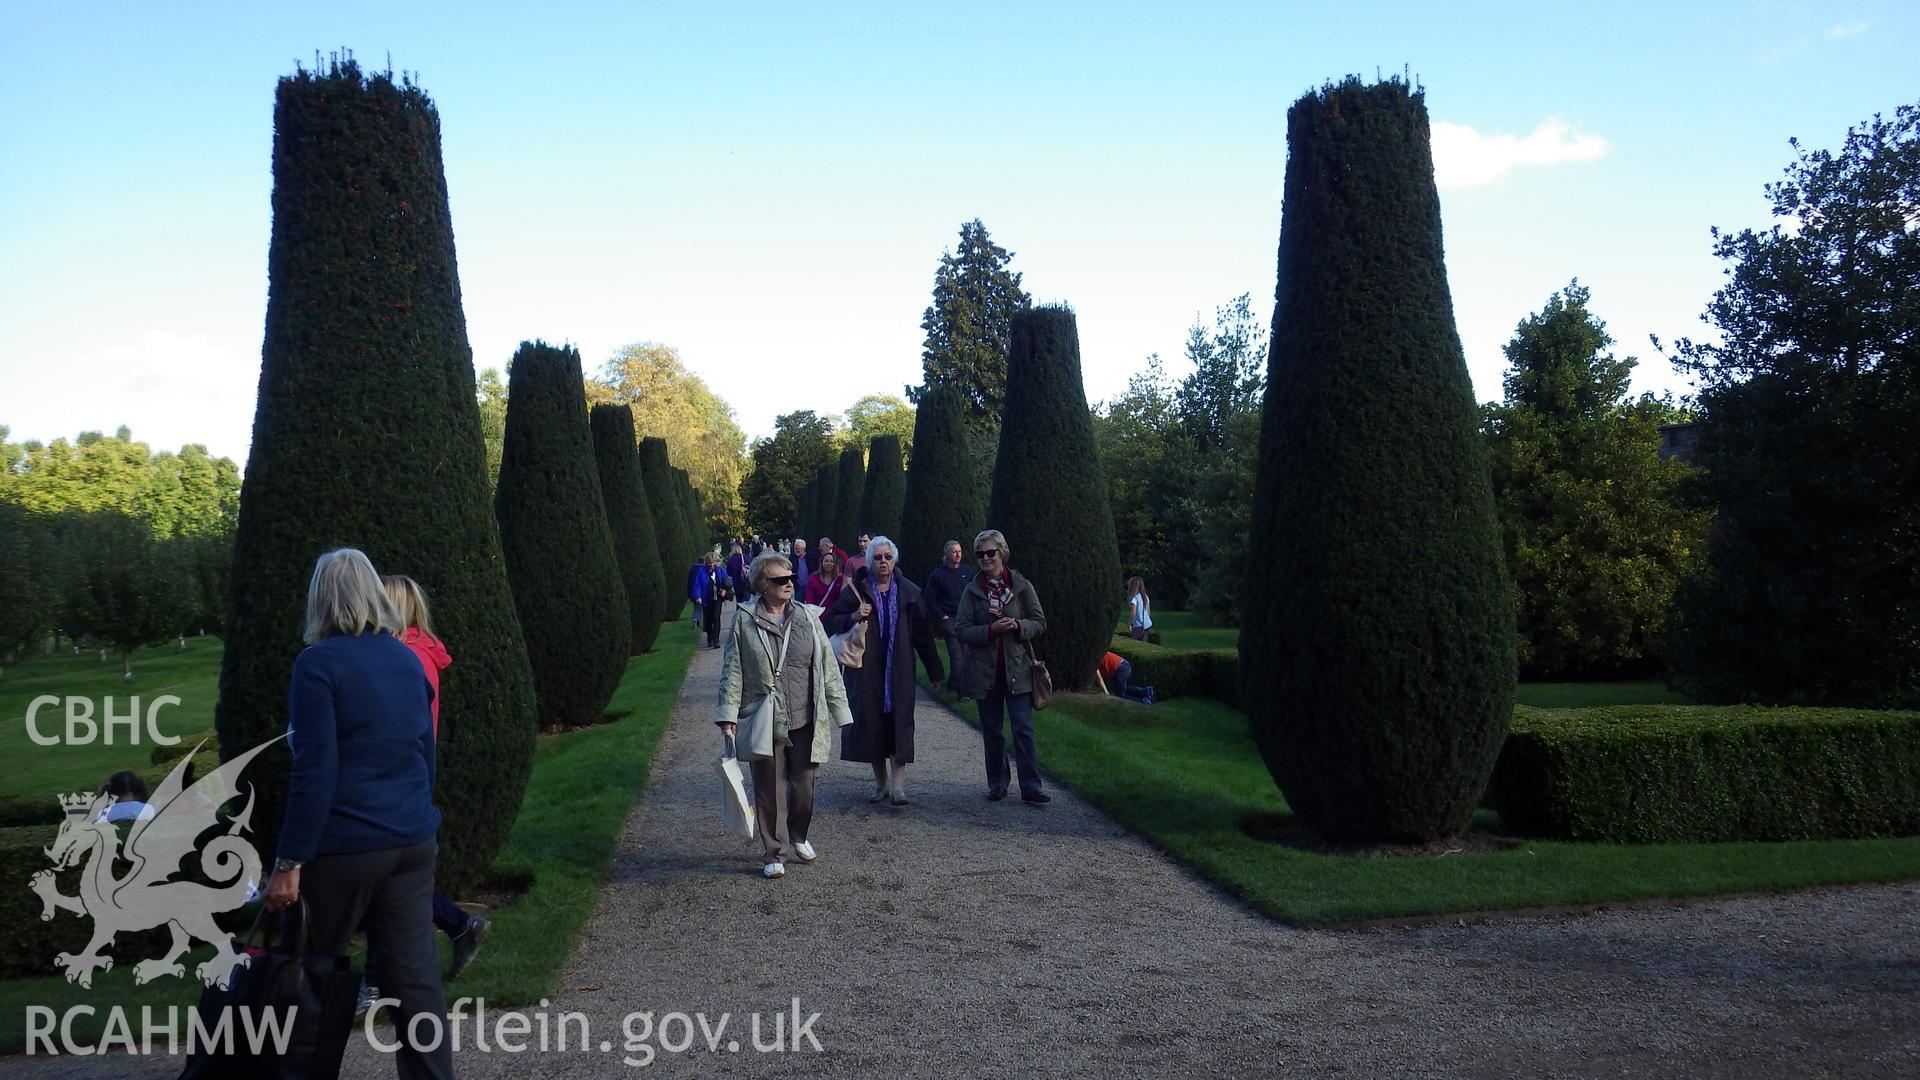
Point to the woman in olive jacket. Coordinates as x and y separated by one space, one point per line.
897 625
999 614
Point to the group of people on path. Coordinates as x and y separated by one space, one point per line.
779 651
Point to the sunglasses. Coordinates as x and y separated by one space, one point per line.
780 579
990 553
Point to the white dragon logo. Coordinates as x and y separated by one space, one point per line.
146 897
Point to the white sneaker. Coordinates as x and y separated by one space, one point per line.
804 849
773 869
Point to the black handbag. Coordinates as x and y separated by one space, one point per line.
309 997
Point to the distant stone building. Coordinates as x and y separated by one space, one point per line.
1679 440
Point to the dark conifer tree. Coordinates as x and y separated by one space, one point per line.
553 527
828 518
1050 495
886 487
942 502
365 351
1380 660
853 484
699 542
669 524
635 543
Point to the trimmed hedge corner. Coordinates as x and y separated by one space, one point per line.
1210 673
1690 774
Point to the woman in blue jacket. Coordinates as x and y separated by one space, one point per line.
358 836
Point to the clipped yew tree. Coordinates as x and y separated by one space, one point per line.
850 488
942 501
826 514
366 434
669 524
553 526
1049 495
696 517
1379 660
886 487
635 545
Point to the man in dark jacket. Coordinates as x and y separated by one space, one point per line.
942 591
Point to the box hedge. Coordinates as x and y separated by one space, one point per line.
1212 673
1698 774
27 943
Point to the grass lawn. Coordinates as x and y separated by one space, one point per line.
1186 630
192 675
583 785
1185 773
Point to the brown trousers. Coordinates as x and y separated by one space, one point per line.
783 794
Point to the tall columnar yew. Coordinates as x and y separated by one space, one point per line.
635 545
942 501
696 517
669 524
846 503
827 516
886 487
1049 495
366 351
1380 655
553 526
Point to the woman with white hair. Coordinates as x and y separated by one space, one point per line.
897 625
775 648
357 840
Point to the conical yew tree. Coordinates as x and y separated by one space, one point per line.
696 517
635 545
827 516
886 487
1380 658
1049 495
669 524
942 501
847 525
366 434
553 527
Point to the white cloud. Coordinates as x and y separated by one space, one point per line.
1465 158
1847 29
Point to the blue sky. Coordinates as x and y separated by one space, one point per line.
769 190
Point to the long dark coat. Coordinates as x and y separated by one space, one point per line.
866 740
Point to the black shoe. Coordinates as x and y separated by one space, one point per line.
996 794
466 944
1037 798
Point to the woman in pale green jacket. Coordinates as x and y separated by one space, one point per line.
807 689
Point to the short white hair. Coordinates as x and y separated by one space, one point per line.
345 596
879 542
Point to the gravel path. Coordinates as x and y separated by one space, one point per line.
958 937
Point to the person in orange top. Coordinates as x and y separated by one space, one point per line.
1116 674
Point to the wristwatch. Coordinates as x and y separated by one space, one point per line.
282 866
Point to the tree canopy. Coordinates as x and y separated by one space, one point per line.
672 403
968 325
783 465
876 415
189 493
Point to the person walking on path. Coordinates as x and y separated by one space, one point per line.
1142 614
711 586
802 569
823 589
776 647
357 838
999 614
737 562
851 564
897 626
943 589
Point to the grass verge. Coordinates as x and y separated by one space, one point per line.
1185 774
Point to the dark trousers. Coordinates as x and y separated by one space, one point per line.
710 619
447 916
1123 683
392 890
1138 633
783 794
1019 709
954 646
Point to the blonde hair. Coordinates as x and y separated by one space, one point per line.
409 602
757 574
345 597
1137 584
997 539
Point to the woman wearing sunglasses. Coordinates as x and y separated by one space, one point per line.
775 646
999 614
